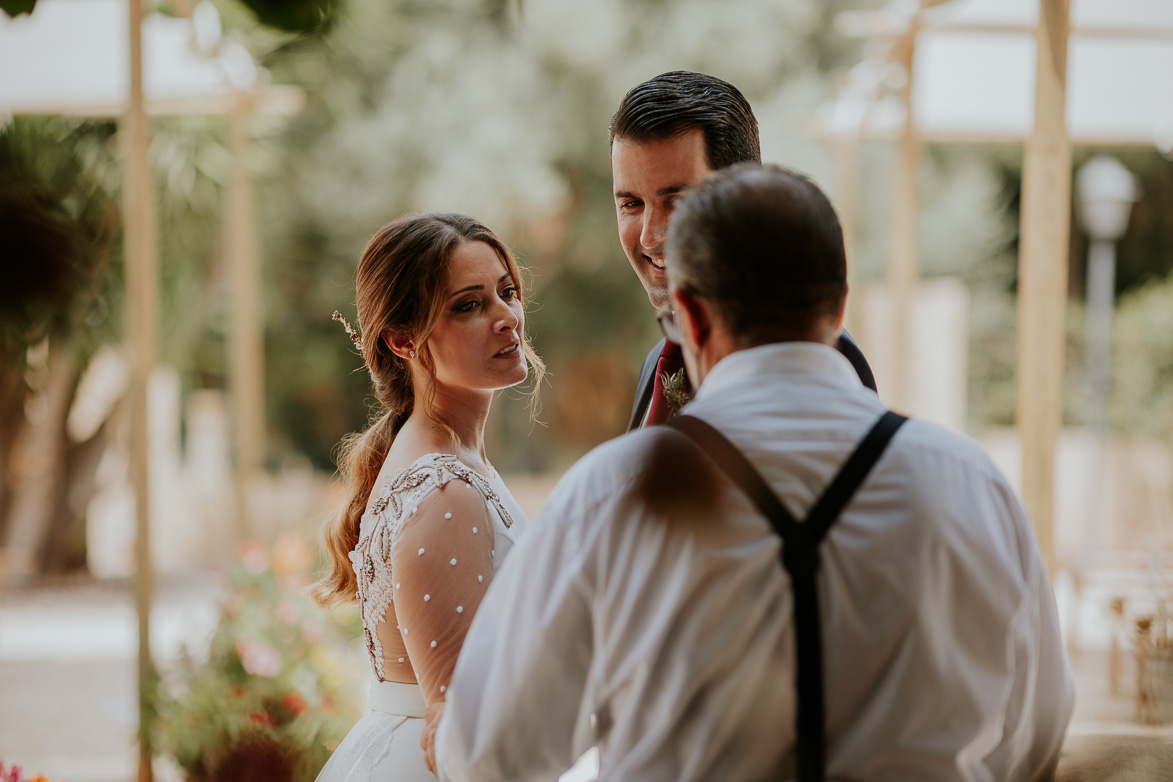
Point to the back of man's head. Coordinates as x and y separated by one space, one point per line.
679 101
763 244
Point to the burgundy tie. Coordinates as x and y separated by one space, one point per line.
670 362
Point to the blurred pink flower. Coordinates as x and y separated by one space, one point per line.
259 658
313 630
288 612
253 557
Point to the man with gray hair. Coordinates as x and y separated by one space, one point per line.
909 631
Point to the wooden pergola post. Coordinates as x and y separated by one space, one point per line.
846 153
1042 272
246 335
142 284
903 263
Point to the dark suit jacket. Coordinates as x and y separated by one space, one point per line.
643 392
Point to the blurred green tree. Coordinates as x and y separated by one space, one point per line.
299 16
502 115
17 7
60 224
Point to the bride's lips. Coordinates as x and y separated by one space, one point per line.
507 351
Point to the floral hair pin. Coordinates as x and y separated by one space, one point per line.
355 337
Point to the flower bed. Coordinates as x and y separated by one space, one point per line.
15 773
277 691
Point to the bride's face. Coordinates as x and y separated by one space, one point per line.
476 342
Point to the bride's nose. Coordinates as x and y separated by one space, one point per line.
508 320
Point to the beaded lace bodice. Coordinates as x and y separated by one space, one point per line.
426 552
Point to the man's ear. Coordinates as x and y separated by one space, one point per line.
400 344
842 314
692 317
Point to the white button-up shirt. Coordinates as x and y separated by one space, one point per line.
665 638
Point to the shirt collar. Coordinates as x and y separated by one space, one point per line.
791 358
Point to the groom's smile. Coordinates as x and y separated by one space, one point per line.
649 177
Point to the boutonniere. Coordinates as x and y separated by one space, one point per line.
677 391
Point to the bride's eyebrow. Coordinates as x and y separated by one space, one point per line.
454 294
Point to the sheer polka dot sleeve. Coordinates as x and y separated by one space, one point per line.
443 563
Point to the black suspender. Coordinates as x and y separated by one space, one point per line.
800 558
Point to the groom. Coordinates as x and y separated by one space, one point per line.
668 134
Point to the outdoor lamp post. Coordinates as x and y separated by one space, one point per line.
1105 190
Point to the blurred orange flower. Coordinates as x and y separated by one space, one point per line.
294 702
292 559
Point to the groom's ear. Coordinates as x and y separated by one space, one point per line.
693 316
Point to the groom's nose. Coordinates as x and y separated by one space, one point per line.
655 228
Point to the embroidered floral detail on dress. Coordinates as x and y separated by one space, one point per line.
381 525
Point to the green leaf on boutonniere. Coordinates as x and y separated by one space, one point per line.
677 390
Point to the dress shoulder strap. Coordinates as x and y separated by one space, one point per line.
410 485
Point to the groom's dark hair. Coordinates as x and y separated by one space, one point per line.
679 101
765 246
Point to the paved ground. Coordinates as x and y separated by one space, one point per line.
68 676
67 687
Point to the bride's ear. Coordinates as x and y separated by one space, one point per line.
401 345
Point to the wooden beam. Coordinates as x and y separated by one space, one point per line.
282 100
142 283
1042 276
247 331
889 133
1119 33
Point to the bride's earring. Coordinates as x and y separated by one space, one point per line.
411 353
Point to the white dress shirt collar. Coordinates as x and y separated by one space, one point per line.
796 358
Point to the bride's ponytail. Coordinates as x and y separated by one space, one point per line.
360 459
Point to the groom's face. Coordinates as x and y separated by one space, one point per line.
649 179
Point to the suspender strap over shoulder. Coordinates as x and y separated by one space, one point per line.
800 558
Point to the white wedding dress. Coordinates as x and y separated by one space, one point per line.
427 550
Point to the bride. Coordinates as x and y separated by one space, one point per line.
427 519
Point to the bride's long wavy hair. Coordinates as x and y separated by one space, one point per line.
399 291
